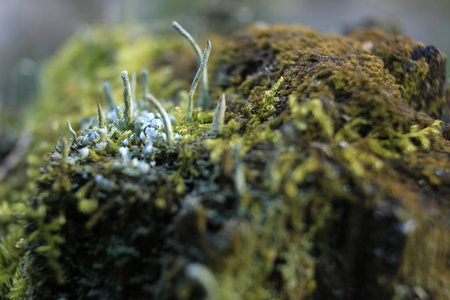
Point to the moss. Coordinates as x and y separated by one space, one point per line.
328 181
420 71
70 84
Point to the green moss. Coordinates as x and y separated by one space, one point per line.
71 83
326 182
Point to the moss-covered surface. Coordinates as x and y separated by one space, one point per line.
329 180
71 84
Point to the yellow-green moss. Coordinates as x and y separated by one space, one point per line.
71 82
321 184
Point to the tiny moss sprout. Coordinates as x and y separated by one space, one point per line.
264 109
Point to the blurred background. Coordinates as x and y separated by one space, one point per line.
31 30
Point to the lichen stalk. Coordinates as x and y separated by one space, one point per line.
167 124
133 85
219 116
144 82
101 115
127 99
239 173
200 70
74 134
65 149
204 88
108 95
119 112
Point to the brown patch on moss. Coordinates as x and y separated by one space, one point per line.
420 71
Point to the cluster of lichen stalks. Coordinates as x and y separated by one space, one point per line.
135 127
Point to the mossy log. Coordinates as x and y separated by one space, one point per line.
329 180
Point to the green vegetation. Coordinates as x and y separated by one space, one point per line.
322 174
71 84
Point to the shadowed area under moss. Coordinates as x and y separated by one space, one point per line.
329 180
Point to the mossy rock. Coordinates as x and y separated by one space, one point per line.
329 180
